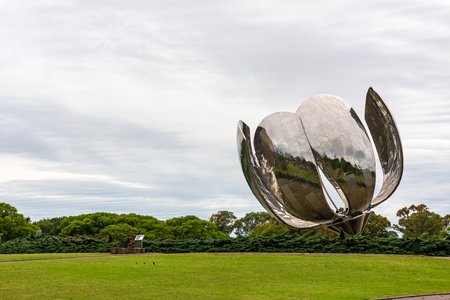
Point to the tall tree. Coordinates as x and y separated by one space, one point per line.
191 227
87 224
14 225
224 220
378 226
446 231
119 232
273 227
248 223
417 220
50 226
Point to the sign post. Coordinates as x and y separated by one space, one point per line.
139 241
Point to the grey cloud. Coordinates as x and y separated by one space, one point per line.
55 133
50 198
91 145
245 59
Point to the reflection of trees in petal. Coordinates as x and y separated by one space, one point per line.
339 168
296 168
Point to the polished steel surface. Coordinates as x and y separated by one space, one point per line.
296 155
258 184
288 164
342 148
387 142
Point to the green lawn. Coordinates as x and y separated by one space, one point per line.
219 276
47 256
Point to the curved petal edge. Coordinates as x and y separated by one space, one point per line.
387 142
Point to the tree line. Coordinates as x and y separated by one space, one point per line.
306 243
86 232
414 222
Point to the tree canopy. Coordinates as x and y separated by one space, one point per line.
14 225
414 221
245 225
417 221
378 226
224 221
117 227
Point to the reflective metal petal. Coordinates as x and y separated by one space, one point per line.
387 142
342 149
259 185
288 164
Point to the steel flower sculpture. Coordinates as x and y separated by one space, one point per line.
295 153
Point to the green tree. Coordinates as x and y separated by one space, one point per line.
50 226
273 227
245 225
378 226
78 227
224 221
158 231
94 224
136 220
417 221
86 224
119 232
14 225
191 227
446 231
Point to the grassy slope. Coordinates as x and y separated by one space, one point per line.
224 276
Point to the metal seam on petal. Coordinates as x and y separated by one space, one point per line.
288 164
333 128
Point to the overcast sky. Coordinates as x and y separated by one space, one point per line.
132 106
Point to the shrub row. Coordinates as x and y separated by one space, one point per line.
280 243
55 244
302 244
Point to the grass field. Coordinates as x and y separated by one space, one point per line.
219 276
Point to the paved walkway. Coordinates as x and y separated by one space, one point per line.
422 297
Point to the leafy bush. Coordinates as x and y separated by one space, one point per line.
278 243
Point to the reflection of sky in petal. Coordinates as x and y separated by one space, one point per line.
334 130
287 135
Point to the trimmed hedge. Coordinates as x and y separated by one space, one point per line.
278 243
306 244
55 244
